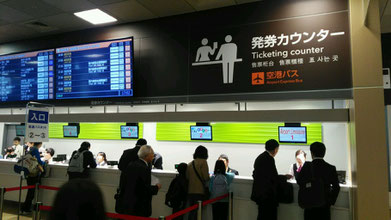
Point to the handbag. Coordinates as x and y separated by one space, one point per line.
206 189
312 193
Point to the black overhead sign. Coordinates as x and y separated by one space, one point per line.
308 53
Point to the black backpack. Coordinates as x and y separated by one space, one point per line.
176 194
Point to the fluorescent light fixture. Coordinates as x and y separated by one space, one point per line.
95 16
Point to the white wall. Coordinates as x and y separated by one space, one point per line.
241 156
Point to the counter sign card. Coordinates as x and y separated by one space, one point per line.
201 133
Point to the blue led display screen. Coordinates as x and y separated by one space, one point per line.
27 76
97 70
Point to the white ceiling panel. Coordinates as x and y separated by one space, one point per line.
129 10
35 8
12 15
105 2
163 8
209 4
71 5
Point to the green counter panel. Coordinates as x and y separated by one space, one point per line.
256 133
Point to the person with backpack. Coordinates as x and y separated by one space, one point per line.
81 162
319 185
177 192
219 185
32 177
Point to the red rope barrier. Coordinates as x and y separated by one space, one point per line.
128 217
17 188
45 208
214 200
182 212
49 187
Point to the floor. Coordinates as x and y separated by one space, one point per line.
11 212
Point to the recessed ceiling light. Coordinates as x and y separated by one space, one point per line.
95 16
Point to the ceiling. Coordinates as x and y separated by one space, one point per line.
22 19
385 15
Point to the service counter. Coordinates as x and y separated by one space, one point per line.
108 178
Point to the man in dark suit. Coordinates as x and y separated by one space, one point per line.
265 183
327 175
130 155
137 187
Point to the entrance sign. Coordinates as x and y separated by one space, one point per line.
37 125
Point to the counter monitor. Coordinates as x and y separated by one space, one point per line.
130 132
20 130
96 70
292 134
27 76
70 131
201 133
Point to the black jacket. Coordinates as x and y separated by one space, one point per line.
327 173
230 170
157 162
137 189
128 156
265 180
88 161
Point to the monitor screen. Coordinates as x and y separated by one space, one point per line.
70 131
27 76
20 130
129 131
292 134
96 70
201 132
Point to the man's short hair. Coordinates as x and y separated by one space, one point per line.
17 139
224 156
141 142
50 151
144 151
36 144
271 145
318 149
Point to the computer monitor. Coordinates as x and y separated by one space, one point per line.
129 132
201 133
20 130
292 134
70 131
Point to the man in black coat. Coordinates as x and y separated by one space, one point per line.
130 155
265 183
137 187
327 174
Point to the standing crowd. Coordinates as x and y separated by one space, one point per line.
318 182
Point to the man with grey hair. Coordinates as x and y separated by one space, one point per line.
137 189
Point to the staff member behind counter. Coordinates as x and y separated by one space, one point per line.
228 169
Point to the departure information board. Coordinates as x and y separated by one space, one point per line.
96 70
27 76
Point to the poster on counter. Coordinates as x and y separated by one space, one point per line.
305 53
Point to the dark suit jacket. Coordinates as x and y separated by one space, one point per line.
230 170
157 162
137 189
265 180
128 156
327 173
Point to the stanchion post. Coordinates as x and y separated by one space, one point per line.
36 193
230 206
37 211
2 192
162 218
199 211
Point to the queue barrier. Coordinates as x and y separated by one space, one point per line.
39 207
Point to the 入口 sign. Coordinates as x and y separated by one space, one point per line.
37 125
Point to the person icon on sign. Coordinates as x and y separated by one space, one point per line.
228 54
204 51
